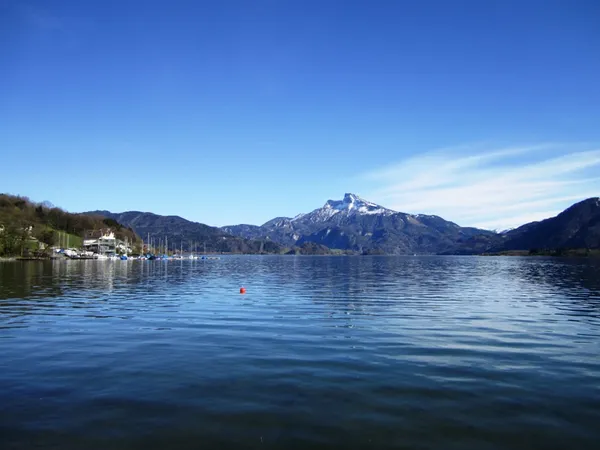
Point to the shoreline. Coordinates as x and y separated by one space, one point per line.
513 253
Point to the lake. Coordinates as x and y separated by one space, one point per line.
321 352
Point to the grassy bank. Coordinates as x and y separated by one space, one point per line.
63 239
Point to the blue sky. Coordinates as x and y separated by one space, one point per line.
238 111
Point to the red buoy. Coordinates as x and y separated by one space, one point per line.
242 290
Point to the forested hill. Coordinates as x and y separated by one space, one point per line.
577 227
23 221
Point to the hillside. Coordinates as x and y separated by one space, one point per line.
24 224
192 236
576 227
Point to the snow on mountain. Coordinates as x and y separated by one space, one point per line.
350 205
355 224
508 230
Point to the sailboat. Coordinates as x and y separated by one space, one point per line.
193 253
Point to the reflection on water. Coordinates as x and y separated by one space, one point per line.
402 352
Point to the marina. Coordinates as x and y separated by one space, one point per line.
104 245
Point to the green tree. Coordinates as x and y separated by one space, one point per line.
47 237
9 241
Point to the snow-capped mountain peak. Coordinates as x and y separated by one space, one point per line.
354 204
351 204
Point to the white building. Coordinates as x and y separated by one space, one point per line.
104 242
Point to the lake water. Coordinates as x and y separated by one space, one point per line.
321 352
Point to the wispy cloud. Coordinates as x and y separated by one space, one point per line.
494 188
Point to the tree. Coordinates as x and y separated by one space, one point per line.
9 240
47 237
39 212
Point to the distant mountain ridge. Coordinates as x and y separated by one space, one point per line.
190 235
355 225
362 226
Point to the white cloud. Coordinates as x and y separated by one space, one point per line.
489 187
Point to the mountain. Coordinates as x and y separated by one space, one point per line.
576 227
355 225
191 235
339 210
361 226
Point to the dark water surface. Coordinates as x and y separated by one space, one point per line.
322 352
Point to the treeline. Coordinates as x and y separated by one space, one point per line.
312 248
24 223
563 251
235 245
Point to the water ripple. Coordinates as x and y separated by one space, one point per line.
402 352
